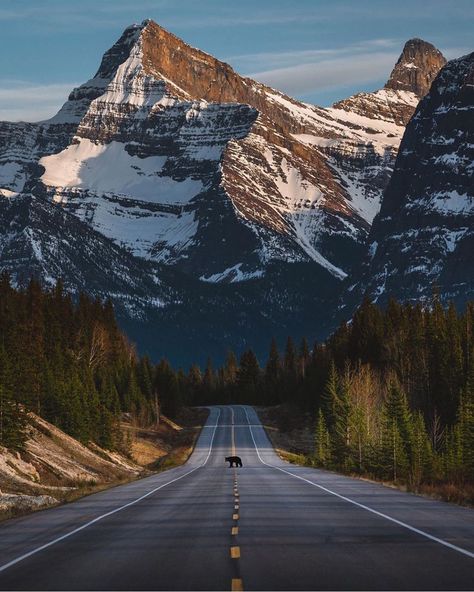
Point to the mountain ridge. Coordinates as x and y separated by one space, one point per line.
196 178
429 202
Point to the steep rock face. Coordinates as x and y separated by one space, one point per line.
423 237
416 68
210 158
39 239
409 81
194 197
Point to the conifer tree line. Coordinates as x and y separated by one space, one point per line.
69 363
391 392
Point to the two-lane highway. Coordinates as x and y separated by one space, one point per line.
266 526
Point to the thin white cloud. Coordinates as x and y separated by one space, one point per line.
111 14
328 74
26 101
310 71
266 60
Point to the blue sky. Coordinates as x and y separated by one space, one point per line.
316 50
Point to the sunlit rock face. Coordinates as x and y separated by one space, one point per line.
416 68
195 178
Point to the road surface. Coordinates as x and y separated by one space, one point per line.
267 526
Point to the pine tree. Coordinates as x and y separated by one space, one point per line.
12 422
340 435
329 398
167 388
209 379
231 368
421 464
290 359
273 375
145 377
395 436
465 427
248 377
322 444
303 357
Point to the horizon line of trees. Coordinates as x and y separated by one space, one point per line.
390 393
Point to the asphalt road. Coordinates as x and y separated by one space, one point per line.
266 526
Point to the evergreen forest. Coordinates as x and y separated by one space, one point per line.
390 394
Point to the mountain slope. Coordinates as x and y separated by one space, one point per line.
423 238
167 177
196 156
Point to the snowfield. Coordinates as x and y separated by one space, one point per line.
109 169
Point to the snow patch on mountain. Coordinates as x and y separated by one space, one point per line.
145 231
109 169
453 202
424 233
232 274
12 176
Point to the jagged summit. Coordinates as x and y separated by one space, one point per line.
184 175
416 68
410 80
424 234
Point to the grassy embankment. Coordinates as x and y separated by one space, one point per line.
55 469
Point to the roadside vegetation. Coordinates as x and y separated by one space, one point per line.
79 409
389 396
68 362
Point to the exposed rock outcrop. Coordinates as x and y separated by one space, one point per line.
177 175
423 239
416 68
52 466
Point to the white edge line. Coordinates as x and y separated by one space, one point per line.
351 501
132 503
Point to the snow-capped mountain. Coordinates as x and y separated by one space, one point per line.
423 239
190 177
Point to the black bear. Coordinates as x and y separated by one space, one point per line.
233 459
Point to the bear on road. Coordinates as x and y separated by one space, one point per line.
233 460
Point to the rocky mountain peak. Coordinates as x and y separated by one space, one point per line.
182 175
198 74
424 233
416 68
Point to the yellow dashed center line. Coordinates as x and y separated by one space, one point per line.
235 552
237 584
